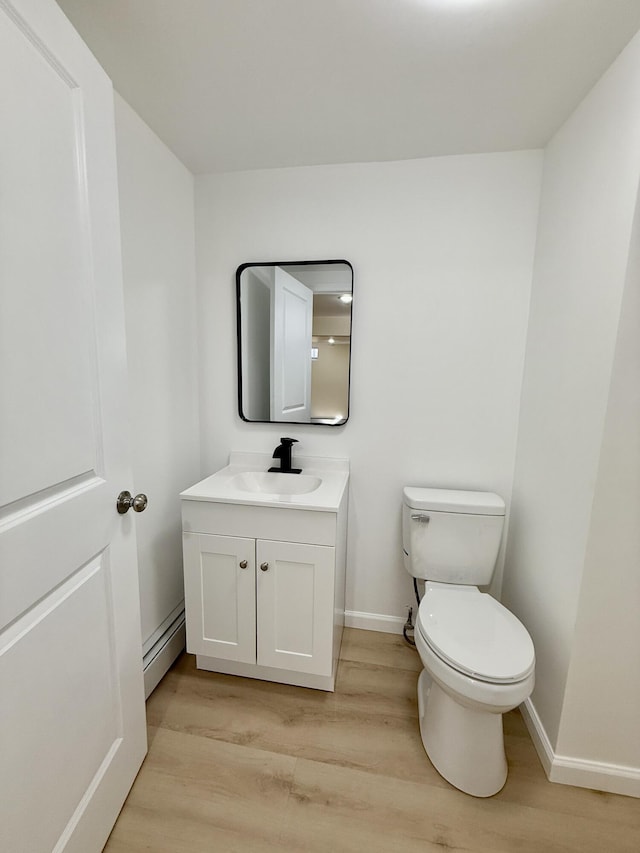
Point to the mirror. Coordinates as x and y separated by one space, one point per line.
294 341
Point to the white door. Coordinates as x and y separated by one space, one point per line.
220 596
292 317
72 722
295 591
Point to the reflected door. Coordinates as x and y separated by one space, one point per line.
292 318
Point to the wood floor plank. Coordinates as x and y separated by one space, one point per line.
334 728
196 794
345 809
374 647
243 766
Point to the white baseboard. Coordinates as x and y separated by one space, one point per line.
373 622
538 735
612 778
165 650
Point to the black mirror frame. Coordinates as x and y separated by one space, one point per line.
239 272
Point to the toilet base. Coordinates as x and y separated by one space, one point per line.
465 745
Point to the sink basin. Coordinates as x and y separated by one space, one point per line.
245 480
272 483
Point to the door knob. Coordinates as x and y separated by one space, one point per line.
125 502
264 566
243 564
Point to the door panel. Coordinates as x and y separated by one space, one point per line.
47 363
43 662
220 596
72 723
295 600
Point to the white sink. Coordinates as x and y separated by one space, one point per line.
246 481
273 483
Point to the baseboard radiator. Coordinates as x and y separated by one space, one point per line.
162 648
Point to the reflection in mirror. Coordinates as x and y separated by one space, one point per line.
294 341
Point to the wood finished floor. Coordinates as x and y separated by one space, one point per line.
249 766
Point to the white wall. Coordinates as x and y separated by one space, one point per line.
590 183
442 251
602 699
157 224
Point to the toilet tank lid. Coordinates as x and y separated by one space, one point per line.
453 500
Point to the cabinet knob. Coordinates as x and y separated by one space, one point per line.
243 564
264 566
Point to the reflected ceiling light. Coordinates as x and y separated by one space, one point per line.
331 340
346 298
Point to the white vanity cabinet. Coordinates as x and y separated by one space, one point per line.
264 587
260 602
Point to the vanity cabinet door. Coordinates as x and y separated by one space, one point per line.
220 596
295 596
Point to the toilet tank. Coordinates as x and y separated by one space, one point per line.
451 536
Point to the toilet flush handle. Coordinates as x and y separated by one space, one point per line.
423 519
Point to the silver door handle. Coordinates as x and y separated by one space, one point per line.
125 502
264 566
243 564
423 519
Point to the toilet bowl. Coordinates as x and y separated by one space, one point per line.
478 657
487 670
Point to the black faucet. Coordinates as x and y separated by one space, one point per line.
283 453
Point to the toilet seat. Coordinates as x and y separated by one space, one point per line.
475 634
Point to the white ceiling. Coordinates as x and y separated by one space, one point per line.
246 84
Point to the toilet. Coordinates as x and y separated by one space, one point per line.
478 657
